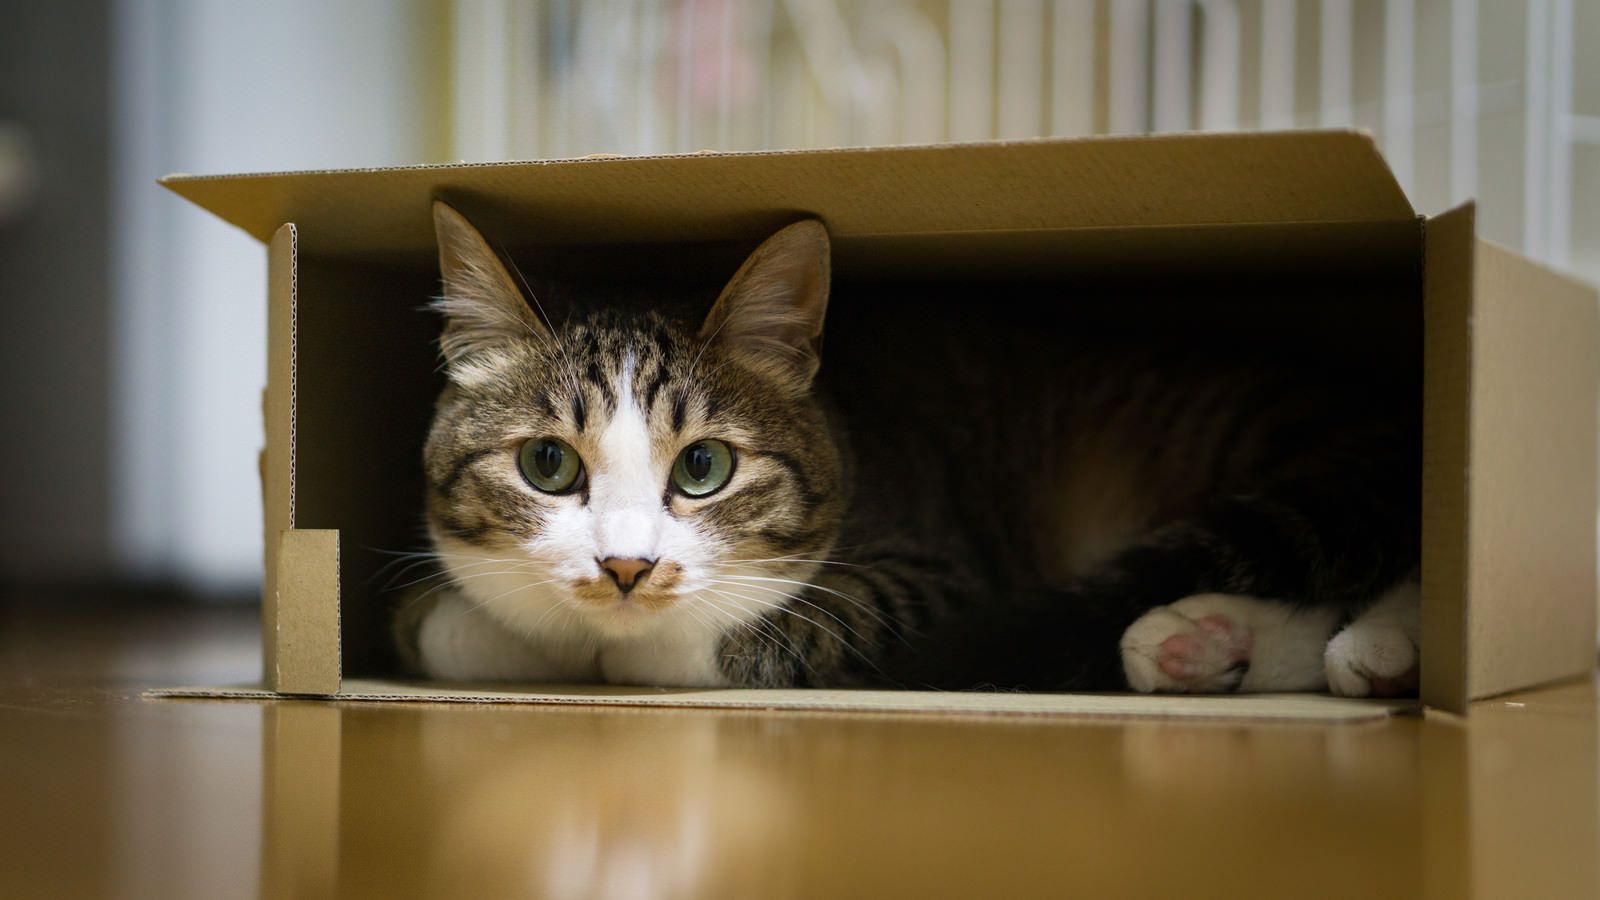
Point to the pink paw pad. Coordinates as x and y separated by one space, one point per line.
1188 656
1181 656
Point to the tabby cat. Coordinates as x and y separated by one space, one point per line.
625 495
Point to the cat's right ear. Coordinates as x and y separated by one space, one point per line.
770 314
481 303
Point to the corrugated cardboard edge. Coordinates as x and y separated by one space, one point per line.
277 469
1305 708
1535 442
1448 244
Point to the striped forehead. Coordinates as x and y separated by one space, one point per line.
643 371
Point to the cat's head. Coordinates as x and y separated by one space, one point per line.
621 473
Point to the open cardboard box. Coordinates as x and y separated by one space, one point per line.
1298 236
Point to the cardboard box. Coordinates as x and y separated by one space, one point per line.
1304 235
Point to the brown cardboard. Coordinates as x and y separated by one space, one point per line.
1301 236
1532 471
1287 707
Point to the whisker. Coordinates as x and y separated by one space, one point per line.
868 608
824 628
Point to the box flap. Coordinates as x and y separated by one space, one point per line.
1100 183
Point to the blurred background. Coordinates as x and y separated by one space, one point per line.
133 342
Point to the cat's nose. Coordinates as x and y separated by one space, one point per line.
627 572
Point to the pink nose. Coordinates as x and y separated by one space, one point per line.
627 572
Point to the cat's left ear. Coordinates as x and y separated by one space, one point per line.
770 314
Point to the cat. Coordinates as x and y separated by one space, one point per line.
630 495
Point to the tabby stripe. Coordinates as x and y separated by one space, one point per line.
546 406
597 376
460 468
658 380
578 417
812 498
460 530
786 540
680 410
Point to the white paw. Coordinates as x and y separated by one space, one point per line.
1197 645
1371 659
1377 655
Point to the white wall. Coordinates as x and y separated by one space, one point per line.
218 86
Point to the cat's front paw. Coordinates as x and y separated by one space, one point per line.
1378 655
1197 645
1372 659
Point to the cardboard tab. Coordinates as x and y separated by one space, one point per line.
305 616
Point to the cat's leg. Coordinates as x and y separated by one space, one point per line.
1376 655
1214 643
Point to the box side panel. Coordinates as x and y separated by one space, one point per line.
1535 401
1447 387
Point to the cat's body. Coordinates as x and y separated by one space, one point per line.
947 503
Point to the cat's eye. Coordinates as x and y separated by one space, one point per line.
702 468
550 465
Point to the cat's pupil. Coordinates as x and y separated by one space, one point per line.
547 458
697 462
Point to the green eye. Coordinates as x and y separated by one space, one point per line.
702 468
550 465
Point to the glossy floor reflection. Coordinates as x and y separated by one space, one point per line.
105 794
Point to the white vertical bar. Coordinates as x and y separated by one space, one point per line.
1536 130
527 89
645 62
481 100
1219 59
760 33
1399 119
1463 100
971 69
1021 68
1170 102
1277 64
920 49
558 136
1072 68
724 74
1130 26
686 32
1337 47
1562 37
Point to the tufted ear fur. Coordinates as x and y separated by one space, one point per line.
770 314
481 303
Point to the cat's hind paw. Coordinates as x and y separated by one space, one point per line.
1194 646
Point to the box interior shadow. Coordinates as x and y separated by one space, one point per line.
1346 294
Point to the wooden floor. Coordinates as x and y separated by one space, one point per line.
105 794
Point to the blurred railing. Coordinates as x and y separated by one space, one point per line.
1441 83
